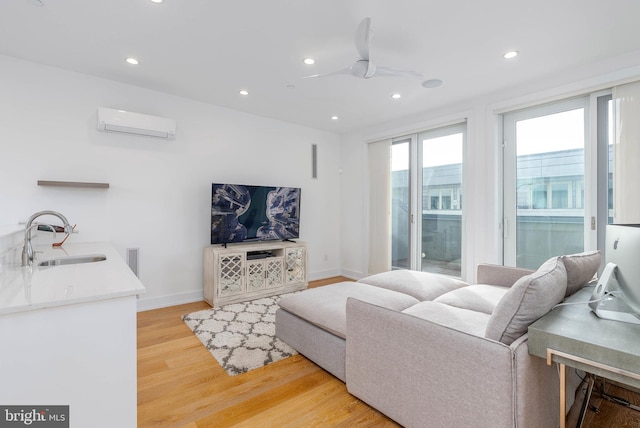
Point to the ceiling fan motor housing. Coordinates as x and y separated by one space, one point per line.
363 69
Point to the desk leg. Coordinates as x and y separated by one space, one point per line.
587 398
563 396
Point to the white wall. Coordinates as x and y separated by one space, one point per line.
159 192
482 228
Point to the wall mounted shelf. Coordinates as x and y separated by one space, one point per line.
77 184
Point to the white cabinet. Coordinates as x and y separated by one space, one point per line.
81 355
247 271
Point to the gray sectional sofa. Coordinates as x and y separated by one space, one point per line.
431 351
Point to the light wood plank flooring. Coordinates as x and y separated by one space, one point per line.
181 385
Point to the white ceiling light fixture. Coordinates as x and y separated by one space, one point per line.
334 117
156 1
396 96
309 61
510 54
432 83
244 92
132 61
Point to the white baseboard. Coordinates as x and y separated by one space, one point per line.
171 300
314 276
147 304
352 274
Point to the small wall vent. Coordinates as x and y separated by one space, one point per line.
133 259
314 161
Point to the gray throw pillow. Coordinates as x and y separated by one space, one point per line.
528 299
580 269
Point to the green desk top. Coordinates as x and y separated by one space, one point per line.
576 330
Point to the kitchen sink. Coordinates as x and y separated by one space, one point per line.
73 260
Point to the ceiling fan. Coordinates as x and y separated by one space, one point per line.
365 69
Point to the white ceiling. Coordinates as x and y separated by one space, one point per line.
208 50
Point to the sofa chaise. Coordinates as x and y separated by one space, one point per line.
429 350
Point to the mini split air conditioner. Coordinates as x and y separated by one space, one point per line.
126 122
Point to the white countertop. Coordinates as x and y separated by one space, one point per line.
30 288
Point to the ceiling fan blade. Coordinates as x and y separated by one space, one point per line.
362 38
371 70
396 72
334 73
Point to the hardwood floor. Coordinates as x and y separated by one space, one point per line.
604 413
181 385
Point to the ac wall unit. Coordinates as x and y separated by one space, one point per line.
126 122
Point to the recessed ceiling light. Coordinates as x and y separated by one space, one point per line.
396 96
510 54
432 83
244 92
156 1
132 61
334 117
309 61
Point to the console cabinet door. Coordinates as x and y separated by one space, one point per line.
230 274
295 260
274 272
255 276
265 274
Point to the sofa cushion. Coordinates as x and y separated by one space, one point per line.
421 285
580 269
528 299
325 306
505 276
472 322
479 297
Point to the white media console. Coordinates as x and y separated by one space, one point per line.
247 271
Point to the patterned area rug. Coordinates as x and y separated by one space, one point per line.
241 336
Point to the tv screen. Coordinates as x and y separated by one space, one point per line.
259 213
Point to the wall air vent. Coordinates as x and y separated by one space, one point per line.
126 122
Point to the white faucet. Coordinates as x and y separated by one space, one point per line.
27 250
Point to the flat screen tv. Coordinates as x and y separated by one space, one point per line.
254 213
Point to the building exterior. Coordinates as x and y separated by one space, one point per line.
550 210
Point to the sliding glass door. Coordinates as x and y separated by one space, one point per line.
401 224
441 211
551 180
426 176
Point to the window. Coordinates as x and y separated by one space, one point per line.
427 200
560 196
548 175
